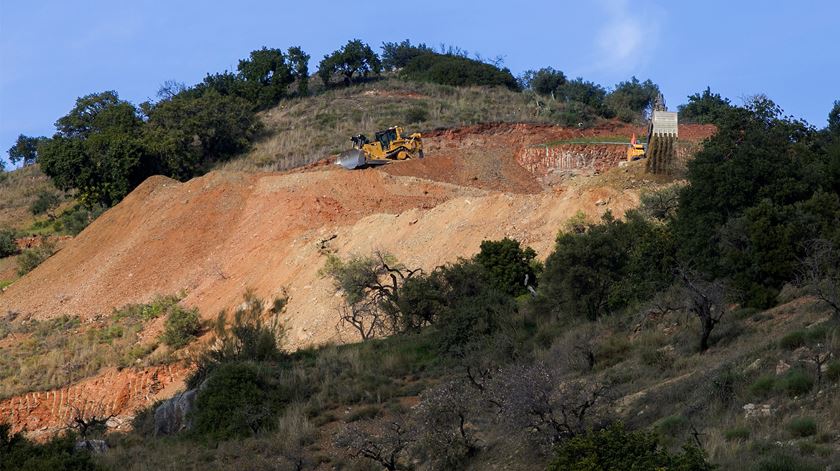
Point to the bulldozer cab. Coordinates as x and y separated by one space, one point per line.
386 137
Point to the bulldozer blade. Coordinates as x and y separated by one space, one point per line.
351 159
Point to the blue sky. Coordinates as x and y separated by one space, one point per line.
52 52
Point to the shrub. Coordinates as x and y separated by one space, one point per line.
797 382
19 453
8 244
234 402
763 386
793 340
615 448
832 370
246 338
74 220
802 427
740 433
416 114
458 71
784 462
181 326
509 266
31 258
44 201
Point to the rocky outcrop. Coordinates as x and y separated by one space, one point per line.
172 416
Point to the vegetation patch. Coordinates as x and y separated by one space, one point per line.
56 352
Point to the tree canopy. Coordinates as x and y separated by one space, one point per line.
25 150
352 61
98 149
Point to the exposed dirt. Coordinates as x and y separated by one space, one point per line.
216 235
111 393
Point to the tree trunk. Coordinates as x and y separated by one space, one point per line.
708 324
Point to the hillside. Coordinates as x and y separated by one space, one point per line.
214 236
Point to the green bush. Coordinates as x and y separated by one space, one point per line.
617 449
793 340
74 220
44 201
599 268
508 265
447 69
416 114
763 386
832 370
180 327
31 258
802 427
17 453
740 433
796 382
8 244
234 402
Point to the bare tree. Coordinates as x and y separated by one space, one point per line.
705 299
371 287
820 273
364 317
89 422
383 442
535 399
443 423
169 89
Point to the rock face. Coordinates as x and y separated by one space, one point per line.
172 415
94 446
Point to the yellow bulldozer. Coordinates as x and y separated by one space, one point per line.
387 145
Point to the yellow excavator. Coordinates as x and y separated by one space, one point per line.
635 150
387 145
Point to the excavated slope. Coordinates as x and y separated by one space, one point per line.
216 235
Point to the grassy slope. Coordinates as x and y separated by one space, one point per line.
18 190
662 383
302 131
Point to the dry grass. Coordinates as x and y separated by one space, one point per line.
302 131
42 355
18 190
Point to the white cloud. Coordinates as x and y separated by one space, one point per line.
627 37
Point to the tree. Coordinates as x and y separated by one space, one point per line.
632 100
834 119
443 424
535 400
545 81
395 56
299 64
588 93
190 132
509 266
704 108
458 71
267 74
355 59
98 149
372 288
755 155
705 299
384 442
25 150
820 272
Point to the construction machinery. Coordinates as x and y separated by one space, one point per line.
636 150
663 133
388 145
